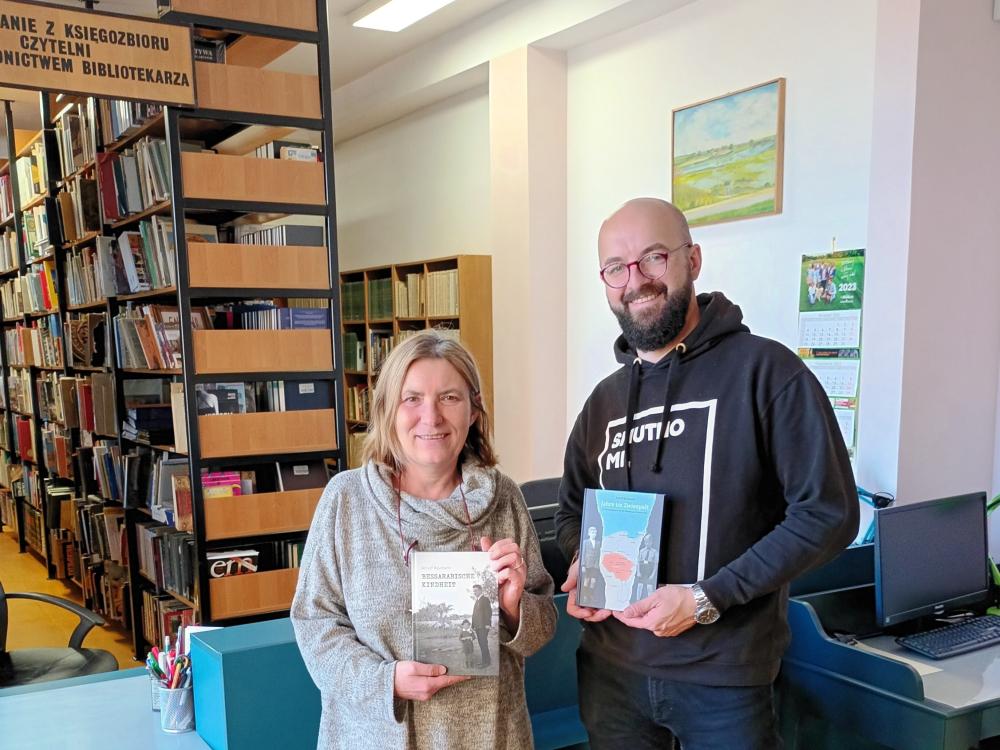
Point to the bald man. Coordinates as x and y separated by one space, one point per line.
741 439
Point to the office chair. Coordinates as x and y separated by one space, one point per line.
27 666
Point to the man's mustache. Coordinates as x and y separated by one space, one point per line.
644 291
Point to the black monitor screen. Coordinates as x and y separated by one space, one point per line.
929 557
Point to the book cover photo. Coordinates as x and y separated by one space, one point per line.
620 535
455 609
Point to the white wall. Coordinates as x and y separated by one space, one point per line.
621 91
418 187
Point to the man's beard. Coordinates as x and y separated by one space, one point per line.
654 334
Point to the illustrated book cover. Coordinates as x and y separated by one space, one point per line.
619 557
455 609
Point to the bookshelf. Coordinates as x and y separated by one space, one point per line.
163 319
383 304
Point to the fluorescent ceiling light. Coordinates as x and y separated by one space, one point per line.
396 15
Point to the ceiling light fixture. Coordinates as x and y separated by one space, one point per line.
396 15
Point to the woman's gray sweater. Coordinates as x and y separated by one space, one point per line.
351 614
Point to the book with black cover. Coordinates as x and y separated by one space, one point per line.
619 556
455 614
301 475
308 394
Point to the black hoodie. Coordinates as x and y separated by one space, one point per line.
758 488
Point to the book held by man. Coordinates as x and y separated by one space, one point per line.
455 610
620 534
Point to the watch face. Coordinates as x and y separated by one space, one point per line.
708 616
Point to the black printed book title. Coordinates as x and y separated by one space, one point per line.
47 48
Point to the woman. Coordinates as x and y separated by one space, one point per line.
428 482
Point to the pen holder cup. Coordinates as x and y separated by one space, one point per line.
154 688
176 710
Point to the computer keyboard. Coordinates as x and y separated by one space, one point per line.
954 639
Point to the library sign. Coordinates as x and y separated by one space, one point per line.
47 48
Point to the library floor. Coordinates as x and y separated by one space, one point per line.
33 624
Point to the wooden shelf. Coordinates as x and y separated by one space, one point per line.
150 293
146 371
160 208
152 126
226 351
36 201
252 594
233 266
245 179
263 513
288 14
25 148
236 88
95 305
267 433
88 237
474 319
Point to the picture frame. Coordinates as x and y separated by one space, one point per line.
727 155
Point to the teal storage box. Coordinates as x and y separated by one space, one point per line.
252 690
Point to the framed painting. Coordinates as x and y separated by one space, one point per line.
728 155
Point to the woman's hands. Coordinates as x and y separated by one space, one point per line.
509 565
416 681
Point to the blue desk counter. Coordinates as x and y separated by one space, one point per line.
111 713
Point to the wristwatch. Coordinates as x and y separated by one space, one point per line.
705 612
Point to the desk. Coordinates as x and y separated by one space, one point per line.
877 694
107 714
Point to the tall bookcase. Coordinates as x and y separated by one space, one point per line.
381 305
241 106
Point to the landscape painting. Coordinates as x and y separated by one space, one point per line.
727 155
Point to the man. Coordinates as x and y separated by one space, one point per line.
645 569
482 619
590 566
739 436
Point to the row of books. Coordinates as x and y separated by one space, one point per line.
280 234
87 335
134 179
287 150
379 299
356 403
63 553
8 510
119 118
352 300
32 173
354 352
149 336
79 209
99 529
105 588
6 197
57 447
442 293
166 557
410 295
105 469
355 445
24 446
271 556
39 344
35 233
269 395
162 616
76 136
20 396
84 402
29 293
261 315
8 251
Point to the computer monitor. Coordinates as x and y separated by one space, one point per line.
930 557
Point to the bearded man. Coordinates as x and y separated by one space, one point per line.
741 439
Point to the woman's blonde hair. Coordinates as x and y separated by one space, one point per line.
381 443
